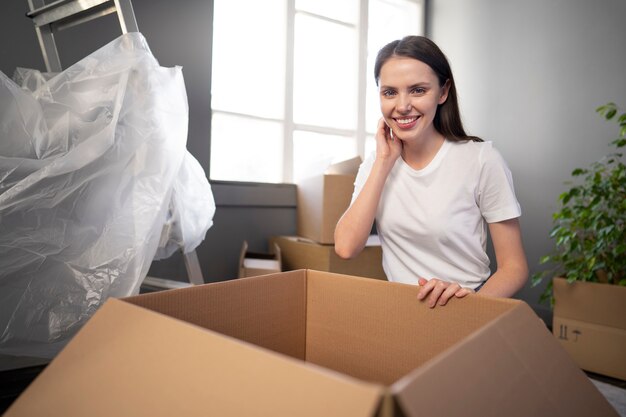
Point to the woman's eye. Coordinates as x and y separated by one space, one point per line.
388 93
419 90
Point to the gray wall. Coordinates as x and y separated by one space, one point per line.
530 75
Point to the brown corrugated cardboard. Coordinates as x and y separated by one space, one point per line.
302 253
133 362
590 322
311 344
591 302
252 263
323 199
595 348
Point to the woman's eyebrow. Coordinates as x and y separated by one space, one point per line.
420 84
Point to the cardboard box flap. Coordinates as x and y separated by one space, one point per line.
347 167
268 311
579 301
134 362
242 254
520 370
354 325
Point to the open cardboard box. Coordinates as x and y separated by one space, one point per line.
302 253
309 343
590 323
255 263
322 200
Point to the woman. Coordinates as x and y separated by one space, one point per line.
432 189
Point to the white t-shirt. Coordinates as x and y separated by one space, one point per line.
432 222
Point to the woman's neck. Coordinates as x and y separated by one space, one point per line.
418 154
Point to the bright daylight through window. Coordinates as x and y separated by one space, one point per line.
292 84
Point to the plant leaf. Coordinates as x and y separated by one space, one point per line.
610 114
589 229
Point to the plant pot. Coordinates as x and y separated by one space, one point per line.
590 322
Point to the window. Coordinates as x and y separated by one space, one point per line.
292 83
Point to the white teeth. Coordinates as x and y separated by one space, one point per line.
405 121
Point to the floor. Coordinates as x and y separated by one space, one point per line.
614 390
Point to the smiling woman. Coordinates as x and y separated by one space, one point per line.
434 191
289 83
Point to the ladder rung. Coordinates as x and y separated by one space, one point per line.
63 12
102 10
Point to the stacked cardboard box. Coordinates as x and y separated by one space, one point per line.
590 322
322 200
309 343
302 253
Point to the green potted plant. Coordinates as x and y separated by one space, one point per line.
588 263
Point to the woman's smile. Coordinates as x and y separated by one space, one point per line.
406 122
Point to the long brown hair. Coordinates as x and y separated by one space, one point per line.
447 120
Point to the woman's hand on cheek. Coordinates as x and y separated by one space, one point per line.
438 292
388 147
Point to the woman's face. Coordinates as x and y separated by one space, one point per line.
409 96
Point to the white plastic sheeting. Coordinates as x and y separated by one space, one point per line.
93 165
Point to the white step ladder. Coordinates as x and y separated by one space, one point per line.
63 14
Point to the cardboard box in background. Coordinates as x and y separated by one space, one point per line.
253 263
300 253
309 343
323 199
590 322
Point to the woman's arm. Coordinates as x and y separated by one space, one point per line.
511 275
354 227
512 272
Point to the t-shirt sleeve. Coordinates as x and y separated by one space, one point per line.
362 175
496 194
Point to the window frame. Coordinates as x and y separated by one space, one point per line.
289 126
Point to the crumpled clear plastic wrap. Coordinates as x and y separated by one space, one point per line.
95 182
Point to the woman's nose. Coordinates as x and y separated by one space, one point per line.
404 104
